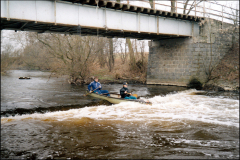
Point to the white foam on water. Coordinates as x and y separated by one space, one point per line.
175 107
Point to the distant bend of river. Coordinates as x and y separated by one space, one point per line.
49 118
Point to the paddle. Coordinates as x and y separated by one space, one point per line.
134 95
91 92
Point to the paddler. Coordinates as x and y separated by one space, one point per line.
96 87
125 93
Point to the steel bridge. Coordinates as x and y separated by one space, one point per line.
111 18
96 17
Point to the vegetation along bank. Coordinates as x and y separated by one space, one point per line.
112 60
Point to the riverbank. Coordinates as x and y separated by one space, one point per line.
217 85
225 77
222 85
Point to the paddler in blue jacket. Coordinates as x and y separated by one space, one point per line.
96 87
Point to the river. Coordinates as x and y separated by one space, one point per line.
48 118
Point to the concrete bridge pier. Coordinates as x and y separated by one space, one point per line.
177 61
170 62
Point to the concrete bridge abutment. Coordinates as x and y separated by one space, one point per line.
177 61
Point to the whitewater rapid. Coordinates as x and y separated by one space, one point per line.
178 107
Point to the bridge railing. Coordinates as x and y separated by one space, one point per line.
200 8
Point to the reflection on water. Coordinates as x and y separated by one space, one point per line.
180 124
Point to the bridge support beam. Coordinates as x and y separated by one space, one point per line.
130 21
177 61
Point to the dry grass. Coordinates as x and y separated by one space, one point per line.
120 71
228 68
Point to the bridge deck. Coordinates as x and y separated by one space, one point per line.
109 19
136 9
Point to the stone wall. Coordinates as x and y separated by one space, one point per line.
177 61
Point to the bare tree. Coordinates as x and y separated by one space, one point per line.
151 3
141 60
123 51
6 60
186 3
111 56
75 54
132 62
102 53
173 6
194 3
235 17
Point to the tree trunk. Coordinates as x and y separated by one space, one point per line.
185 7
131 54
173 6
195 3
151 3
101 56
111 57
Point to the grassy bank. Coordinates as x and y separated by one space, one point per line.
120 73
226 74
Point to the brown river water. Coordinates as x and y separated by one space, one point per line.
44 118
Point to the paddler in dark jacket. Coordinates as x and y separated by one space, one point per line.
125 93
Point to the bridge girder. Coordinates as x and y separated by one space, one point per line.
112 19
